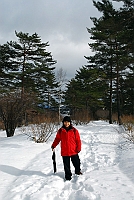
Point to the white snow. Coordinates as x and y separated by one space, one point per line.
107 163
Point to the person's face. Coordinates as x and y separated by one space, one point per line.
66 124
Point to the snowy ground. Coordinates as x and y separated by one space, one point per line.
107 163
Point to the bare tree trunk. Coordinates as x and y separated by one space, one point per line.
117 87
10 128
110 110
118 100
59 114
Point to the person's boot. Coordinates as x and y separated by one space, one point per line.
79 173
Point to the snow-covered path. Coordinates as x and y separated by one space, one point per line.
27 173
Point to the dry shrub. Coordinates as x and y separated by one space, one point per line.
42 132
115 118
102 114
42 128
128 124
128 119
2 125
35 117
81 117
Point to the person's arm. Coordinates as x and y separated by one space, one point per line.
56 140
78 140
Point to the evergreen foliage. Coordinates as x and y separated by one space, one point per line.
28 65
113 51
86 90
106 81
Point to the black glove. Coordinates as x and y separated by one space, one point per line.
52 148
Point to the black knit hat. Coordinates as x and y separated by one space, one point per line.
66 119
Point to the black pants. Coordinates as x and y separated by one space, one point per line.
76 163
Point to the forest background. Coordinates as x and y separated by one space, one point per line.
31 91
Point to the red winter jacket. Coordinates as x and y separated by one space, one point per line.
70 141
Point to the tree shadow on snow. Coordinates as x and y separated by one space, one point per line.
18 172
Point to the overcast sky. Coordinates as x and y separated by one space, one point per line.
62 23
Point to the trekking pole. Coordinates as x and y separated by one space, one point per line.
54 160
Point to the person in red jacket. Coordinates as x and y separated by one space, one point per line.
69 138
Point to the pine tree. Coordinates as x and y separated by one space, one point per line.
30 63
86 91
26 68
111 50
